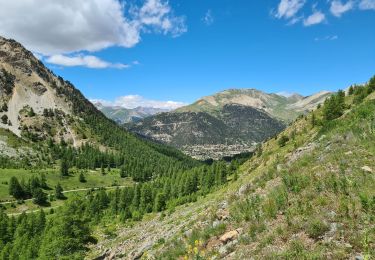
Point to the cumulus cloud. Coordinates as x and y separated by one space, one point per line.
208 18
289 8
367 5
133 101
88 61
338 8
62 27
315 18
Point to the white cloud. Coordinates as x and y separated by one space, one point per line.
88 61
60 27
208 18
315 18
337 8
133 101
289 8
327 38
367 5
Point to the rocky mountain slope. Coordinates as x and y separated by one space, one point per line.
285 108
225 124
307 194
123 115
238 128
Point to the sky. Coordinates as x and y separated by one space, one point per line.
169 53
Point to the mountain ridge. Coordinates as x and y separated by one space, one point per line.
234 116
122 115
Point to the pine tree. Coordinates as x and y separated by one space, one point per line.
40 198
351 90
102 170
15 188
313 120
64 168
160 202
123 172
59 192
43 181
82 178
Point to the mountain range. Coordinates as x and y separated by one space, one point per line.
122 115
227 123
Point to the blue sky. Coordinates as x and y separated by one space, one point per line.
197 48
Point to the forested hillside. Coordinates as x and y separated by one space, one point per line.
54 121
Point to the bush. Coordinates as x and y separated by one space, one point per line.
82 178
283 140
294 182
4 119
316 228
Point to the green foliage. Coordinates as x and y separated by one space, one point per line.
39 197
283 140
64 168
4 119
15 189
82 178
59 192
6 81
248 210
316 228
334 106
295 182
67 234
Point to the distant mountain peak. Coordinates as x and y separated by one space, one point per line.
124 115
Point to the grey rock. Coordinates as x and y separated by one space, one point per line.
244 189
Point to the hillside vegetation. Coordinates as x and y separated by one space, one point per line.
309 193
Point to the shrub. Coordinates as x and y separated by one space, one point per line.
316 228
283 140
4 119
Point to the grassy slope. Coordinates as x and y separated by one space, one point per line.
310 199
94 179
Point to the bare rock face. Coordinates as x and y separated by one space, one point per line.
25 82
35 104
244 189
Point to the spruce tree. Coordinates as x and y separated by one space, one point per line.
59 192
82 178
40 198
64 168
15 188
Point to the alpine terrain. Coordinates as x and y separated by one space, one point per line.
123 115
308 193
228 123
241 174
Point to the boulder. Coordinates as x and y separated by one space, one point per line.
244 189
366 169
229 236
